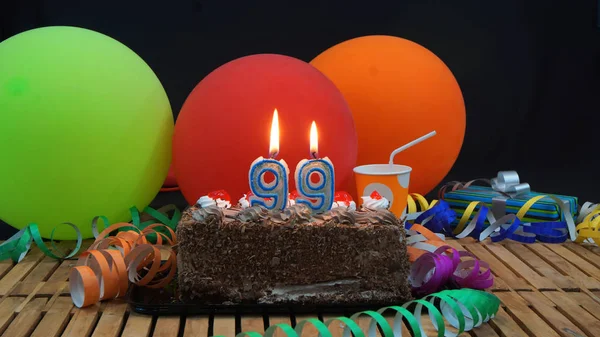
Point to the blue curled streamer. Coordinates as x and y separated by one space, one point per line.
440 216
440 219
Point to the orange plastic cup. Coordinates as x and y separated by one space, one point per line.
390 181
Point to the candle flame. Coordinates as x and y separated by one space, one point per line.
274 143
314 140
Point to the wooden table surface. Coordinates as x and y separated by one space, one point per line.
546 290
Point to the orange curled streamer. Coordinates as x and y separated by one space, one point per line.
106 268
429 237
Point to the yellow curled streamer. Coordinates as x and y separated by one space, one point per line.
589 227
414 198
466 216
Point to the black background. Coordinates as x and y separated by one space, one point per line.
529 70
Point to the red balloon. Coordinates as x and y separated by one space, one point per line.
170 181
224 124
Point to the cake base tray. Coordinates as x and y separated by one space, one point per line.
149 301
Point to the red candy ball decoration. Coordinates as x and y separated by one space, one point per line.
342 196
224 124
375 195
219 194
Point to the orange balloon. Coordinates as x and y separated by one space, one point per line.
398 91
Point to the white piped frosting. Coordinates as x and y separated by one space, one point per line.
244 203
374 204
206 201
351 206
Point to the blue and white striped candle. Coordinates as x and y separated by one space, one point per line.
318 195
274 194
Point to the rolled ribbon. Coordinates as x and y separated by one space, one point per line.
416 204
463 309
431 271
421 240
500 229
509 185
444 266
440 219
588 228
159 215
106 268
508 182
17 247
469 274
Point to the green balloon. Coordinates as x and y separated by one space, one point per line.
85 130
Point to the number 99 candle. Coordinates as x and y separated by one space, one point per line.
272 195
317 195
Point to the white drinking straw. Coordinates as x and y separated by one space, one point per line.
407 145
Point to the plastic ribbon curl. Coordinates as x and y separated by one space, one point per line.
436 265
17 246
588 228
434 270
106 268
506 226
462 309
440 219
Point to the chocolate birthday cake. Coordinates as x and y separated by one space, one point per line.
252 255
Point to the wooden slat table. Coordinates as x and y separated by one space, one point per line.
546 290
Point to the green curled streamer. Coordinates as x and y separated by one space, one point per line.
251 334
485 303
376 320
105 225
434 315
16 247
159 215
350 326
463 309
460 317
287 330
466 322
321 327
401 313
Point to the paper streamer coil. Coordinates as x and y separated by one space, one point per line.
439 218
17 247
588 228
462 309
436 265
106 268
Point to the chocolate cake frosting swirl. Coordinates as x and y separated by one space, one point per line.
379 216
208 215
296 214
338 216
253 214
